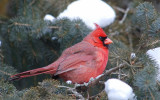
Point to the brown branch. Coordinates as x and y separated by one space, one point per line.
73 90
22 24
119 9
5 73
53 27
123 11
124 17
158 83
33 1
114 69
153 98
107 72
98 78
155 42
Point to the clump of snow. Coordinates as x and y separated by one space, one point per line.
118 90
90 12
133 55
49 17
155 55
69 82
54 38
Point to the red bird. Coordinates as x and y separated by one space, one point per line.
80 62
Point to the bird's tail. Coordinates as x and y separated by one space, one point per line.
47 70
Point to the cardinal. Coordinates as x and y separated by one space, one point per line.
80 62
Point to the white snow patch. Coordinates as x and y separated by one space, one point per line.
118 90
155 55
49 17
133 55
69 82
54 38
90 12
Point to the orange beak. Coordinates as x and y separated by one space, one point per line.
108 41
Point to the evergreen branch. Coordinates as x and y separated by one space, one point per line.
140 45
33 1
158 83
130 41
22 24
55 52
92 97
2 22
116 73
71 42
53 27
153 98
5 73
146 18
155 42
73 90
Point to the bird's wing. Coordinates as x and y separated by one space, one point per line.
78 57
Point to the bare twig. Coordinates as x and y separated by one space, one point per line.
124 17
116 73
33 1
119 9
153 98
5 73
158 83
73 90
114 69
155 42
107 72
53 27
22 24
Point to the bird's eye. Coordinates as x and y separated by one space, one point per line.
102 38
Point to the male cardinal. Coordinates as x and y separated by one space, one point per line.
80 62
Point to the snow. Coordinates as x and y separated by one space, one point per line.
54 38
118 90
155 55
133 55
69 82
49 17
90 12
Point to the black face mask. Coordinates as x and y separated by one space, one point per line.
102 39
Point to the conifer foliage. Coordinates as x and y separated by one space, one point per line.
28 42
